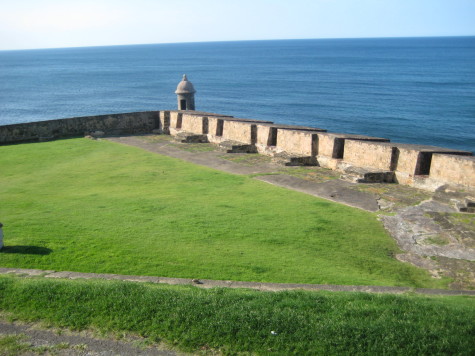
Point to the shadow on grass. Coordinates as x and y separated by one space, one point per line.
27 250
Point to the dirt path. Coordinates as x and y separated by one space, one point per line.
35 339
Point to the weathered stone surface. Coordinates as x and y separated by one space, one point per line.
453 168
414 229
333 144
357 174
187 137
375 155
425 167
164 126
417 159
240 131
114 124
297 142
409 161
237 147
194 123
267 133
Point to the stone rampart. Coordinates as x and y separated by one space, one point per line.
332 144
236 129
239 131
193 122
114 124
196 124
423 166
298 143
164 117
408 161
267 135
372 155
453 168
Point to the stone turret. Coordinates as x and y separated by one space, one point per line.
186 94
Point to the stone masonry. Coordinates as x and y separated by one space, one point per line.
426 167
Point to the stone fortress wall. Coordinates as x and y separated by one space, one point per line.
364 157
113 124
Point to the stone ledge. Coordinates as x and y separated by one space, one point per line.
208 283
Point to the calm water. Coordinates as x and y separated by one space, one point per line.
417 90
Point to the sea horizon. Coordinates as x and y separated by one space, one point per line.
232 41
417 90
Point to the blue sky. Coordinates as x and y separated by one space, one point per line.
64 23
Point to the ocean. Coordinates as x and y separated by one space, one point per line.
410 90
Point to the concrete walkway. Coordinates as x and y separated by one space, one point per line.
208 283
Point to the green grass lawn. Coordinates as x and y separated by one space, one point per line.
97 206
250 322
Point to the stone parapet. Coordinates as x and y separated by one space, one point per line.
297 142
407 160
332 144
240 131
374 155
114 124
164 117
233 129
426 167
416 159
453 168
267 133
197 124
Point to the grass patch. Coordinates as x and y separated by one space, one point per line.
233 321
437 240
399 195
97 206
13 345
194 147
464 219
157 138
314 174
247 159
